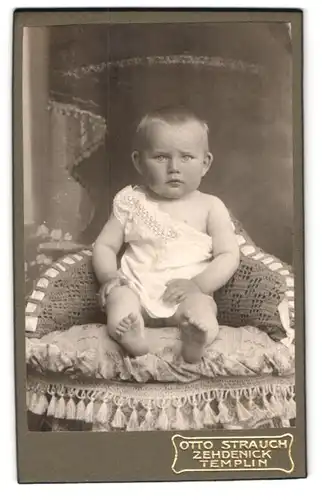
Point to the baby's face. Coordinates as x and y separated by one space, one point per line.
175 158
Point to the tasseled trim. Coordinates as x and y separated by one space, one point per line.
255 410
42 405
37 402
209 416
269 412
242 412
197 416
52 406
148 422
33 401
71 409
119 419
276 405
179 422
80 410
162 422
133 423
89 412
60 410
102 415
214 408
224 415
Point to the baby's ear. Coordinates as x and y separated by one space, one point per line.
207 162
136 161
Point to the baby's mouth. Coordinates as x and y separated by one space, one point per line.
174 181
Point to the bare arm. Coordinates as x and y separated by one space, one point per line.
225 250
106 248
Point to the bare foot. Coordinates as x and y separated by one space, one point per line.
130 334
194 337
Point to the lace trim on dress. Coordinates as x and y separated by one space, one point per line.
128 208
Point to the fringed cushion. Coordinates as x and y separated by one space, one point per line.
244 380
236 403
88 352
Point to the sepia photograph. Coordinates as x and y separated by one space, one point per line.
158 226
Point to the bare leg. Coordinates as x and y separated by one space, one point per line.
124 320
196 318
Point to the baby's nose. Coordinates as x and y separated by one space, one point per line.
173 165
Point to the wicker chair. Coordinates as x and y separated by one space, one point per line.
60 401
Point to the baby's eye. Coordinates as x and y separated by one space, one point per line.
160 158
187 157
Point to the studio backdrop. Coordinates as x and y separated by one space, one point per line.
86 87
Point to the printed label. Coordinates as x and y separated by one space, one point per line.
232 453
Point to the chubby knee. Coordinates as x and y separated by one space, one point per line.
121 294
199 303
208 301
212 304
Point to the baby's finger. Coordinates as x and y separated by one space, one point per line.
179 297
102 300
168 297
173 296
170 289
102 295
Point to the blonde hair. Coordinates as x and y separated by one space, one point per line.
172 115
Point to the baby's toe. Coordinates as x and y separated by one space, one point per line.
124 324
132 318
121 328
201 326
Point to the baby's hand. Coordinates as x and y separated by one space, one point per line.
178 290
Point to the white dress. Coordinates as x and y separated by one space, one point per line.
158 249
